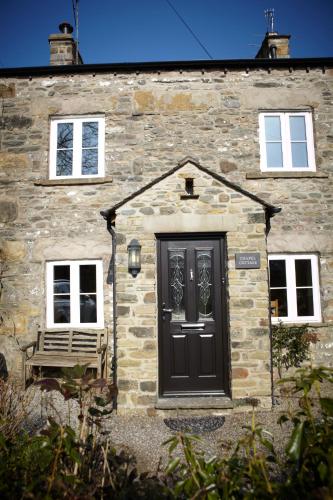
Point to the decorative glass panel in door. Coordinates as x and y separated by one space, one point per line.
193 343
204 283
177 283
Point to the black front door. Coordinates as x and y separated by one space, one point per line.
193 341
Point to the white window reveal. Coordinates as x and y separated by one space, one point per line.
75 294
77 147
286 142
294 287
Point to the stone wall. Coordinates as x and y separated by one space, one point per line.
243 221
153 120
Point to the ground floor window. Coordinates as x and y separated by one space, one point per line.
74 293
294 287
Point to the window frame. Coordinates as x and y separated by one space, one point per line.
74 294
286 141
77 122
291 288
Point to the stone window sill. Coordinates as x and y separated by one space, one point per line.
189 196
73 182
313 325
191 403
285 175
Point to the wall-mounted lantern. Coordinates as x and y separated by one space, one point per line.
134 258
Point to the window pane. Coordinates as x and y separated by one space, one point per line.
277 273
272 128
304 302
177 283
62 311
299 153
88 278
65 136
204 267
274 154
64 162
303 272
297 128
90 134
61 276
88 309
279 303
89 161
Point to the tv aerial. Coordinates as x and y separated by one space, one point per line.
269 15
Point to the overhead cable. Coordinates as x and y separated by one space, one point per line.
189 29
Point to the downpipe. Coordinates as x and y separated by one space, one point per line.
111 279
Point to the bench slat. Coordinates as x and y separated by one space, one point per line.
66 348
63 360
90 338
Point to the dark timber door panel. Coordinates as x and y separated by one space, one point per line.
193 352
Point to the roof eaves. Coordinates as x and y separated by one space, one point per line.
224 64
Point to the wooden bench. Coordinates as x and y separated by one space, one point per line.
54 348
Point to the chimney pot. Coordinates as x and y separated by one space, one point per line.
66 28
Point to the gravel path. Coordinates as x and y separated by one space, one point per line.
143 436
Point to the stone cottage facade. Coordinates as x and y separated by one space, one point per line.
216 176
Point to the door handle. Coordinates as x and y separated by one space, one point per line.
165 309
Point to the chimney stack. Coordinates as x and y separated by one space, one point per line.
274 46
63 47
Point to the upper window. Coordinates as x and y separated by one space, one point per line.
77 147
294 287
74 293
286 142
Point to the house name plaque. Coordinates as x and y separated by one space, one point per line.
247 260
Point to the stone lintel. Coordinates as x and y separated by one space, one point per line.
286 175
185 223
73 182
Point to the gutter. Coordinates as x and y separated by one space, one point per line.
112 269
155 66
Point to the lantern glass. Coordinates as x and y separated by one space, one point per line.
134 257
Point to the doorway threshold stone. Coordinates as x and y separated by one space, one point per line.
192 403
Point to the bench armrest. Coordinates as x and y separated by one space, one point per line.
101 349
27 346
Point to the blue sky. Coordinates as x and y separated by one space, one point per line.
148 30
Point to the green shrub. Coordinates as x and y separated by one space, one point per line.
291 345
310 447
61 463
254 471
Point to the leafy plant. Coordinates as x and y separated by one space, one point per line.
246 474
61 463
291 345
310 447
79 385
195 477
254 471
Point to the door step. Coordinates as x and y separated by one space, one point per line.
193 403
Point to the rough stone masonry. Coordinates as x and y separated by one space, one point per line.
153 120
